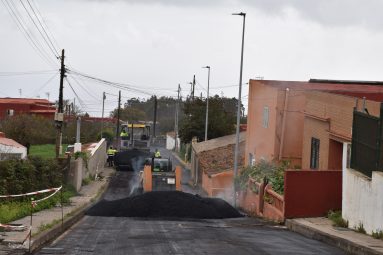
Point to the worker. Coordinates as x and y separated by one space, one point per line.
157 154
111 153
124 135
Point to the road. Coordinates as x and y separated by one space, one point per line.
122 235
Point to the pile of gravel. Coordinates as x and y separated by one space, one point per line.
165 204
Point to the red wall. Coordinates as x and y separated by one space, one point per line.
310 193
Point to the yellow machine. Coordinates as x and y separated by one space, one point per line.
158 175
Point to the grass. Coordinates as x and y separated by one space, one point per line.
13 210
378 234
360 228
45 150
336 218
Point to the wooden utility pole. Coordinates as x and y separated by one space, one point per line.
59 117
193 87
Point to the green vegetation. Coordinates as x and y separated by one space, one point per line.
378 234
13 209
360 228
45 150
336 218
270 172
44 227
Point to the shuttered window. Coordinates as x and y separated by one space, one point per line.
314 160
265 122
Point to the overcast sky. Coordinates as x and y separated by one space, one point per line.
155 45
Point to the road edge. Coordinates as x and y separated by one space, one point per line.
316 234
53 233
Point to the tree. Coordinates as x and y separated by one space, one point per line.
29 129
221 122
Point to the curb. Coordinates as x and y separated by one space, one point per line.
51 234
344 244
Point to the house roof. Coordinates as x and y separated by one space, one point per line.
35 101
217 142
372 90
10 142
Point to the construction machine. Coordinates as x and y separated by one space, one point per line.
159 175
134 147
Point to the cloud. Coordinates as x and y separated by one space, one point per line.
339 13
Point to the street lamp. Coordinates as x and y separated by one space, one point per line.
207 101
238 110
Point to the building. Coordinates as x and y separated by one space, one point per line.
212 163
328 126
33 106
275 119
10 149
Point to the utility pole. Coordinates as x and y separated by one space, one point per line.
176 119
118 120
102 116
155 117
207 101
59 117
238 111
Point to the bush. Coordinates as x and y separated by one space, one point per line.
378 234
264 171
336 218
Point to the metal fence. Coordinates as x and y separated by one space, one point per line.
366 146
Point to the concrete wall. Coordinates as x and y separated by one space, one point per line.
13 150
311 193
363 200
79 170
97 159
218 185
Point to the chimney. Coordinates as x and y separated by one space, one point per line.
2 135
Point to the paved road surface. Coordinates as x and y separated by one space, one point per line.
121 235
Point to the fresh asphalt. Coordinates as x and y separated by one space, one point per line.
122 235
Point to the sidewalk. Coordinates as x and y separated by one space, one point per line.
321 229
51 218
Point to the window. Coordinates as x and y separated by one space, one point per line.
251 159
10 112
314 160
265 122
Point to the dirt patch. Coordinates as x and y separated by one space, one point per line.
165 204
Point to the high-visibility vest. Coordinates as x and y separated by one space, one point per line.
157 154
111 152
123 133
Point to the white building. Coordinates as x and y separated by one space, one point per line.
10 149
171 141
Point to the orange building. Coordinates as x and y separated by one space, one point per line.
275 121
328 126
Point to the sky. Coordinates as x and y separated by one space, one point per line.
151 46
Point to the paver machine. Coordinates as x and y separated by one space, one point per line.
159 175
134 147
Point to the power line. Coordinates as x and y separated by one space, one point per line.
46 83
41 25
42 72
15 15
38 29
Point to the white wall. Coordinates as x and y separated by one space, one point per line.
362 199
171 142
11 149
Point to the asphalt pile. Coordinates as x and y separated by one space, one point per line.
165 204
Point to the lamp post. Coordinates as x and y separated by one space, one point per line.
238 111
207 101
